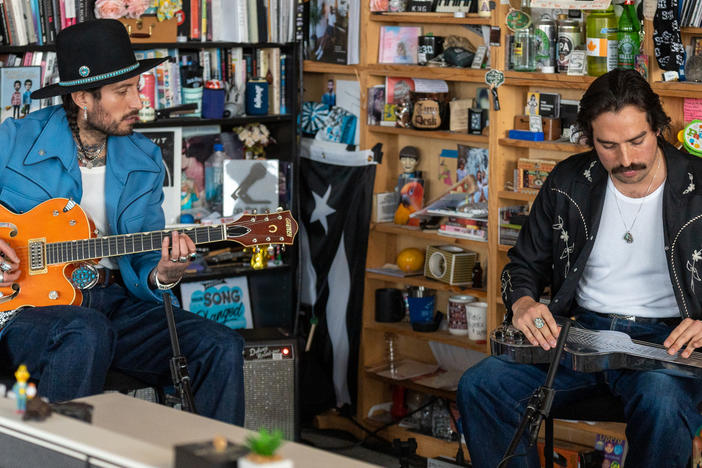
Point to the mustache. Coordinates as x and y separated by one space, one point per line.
632 167
131 114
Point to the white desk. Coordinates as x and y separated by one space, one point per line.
135 433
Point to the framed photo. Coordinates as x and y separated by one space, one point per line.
16 85
170 140
223 300
250 184
696 45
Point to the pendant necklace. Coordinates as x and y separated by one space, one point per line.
628 238
90 157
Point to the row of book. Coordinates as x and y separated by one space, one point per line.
25 22
251 21
185 69
690 14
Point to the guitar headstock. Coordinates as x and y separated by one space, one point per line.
268 228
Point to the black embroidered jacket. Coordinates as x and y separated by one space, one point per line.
556 241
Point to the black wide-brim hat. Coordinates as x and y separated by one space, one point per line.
93 54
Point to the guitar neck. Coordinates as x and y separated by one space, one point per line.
124 244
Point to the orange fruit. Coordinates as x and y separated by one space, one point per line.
410 259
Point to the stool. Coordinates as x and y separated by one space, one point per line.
605 407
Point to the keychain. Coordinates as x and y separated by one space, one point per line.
494 78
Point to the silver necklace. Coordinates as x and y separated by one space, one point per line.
627 234
92 156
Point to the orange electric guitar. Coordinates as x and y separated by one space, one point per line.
56 238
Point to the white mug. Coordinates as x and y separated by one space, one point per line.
477 321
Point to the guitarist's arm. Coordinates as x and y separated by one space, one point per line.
688 332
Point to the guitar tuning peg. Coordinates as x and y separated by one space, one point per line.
279 209
268 211
254 212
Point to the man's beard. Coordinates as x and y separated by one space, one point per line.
100 121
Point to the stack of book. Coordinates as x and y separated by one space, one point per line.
466 228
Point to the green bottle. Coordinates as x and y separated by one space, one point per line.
601 41
628 36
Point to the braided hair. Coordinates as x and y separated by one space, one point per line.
72 110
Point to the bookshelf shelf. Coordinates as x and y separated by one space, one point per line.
405 328
436 73
434 18
310 66
680 89
391 228
545 145
157 45
520 196
410 385
548 80
196 121
452 136
426 282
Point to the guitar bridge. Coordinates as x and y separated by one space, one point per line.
37 256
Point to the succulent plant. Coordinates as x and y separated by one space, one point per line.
265 443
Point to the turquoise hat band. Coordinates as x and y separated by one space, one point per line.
92 79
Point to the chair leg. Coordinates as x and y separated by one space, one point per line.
548 443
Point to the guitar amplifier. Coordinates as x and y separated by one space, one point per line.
271 381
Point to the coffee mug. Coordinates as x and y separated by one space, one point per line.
477 321
389 305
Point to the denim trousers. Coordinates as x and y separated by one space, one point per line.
69 349
661 409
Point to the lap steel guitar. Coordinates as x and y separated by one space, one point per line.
57 238
595 351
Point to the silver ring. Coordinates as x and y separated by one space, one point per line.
4 266
182 259
174 260
539 322
2 276
193 256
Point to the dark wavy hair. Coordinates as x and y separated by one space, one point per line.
72 109
615 90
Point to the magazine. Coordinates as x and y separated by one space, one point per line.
398 44
328 31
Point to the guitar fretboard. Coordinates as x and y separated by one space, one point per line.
110 246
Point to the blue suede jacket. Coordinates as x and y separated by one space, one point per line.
38 161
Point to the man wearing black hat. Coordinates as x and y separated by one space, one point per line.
86 151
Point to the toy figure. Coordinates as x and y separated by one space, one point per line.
16 100
410 185
329 98
26 97
20 388
409 160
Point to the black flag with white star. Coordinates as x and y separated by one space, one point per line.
335 217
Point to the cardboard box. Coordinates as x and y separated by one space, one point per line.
149 29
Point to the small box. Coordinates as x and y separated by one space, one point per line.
148 28
526 135
205 455
551 127
532 173
213 103
450 264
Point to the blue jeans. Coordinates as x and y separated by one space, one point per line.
70 348
661 409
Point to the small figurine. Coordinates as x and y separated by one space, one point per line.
20 388
329 98
411 187
259 258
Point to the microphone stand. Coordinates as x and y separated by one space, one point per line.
179 365
539 405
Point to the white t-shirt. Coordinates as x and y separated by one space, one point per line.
623 278
93 203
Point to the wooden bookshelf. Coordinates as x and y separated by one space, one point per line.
441 336
520 196
438 135
312 66
433 18
556 145
432 73
548 80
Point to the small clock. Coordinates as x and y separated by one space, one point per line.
476 121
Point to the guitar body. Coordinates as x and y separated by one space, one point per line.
56 238
595 351
42 284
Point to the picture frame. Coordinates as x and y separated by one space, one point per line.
16 85
249 184
170 140
696 43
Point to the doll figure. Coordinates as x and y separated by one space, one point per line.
20 388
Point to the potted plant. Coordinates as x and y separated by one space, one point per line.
263 447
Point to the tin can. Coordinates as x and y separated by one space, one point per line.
458 314
570 37
545 45
147 87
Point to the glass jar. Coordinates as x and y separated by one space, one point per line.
523 50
